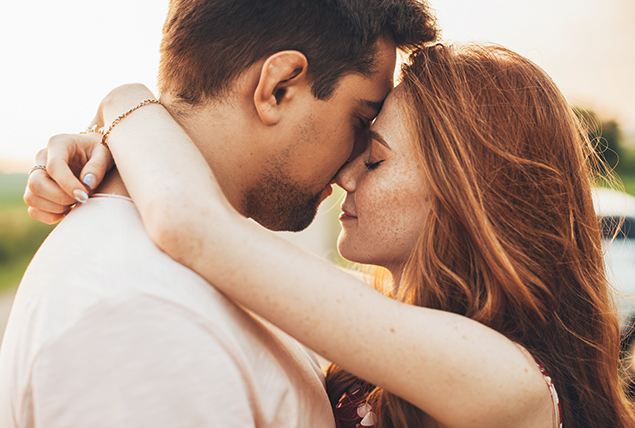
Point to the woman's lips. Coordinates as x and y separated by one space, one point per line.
346 216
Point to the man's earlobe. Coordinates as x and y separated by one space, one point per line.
280 78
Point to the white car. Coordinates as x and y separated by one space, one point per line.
611 208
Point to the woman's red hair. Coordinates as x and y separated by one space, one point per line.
511 239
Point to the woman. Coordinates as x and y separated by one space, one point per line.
474 196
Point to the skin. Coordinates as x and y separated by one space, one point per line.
273 147
461 373
292 182
277 151
385 204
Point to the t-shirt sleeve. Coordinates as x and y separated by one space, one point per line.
140 363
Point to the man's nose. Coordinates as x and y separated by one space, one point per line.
346 178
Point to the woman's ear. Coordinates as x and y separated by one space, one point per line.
280 78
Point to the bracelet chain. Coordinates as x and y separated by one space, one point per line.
122 116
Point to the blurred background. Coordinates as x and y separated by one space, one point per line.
58 59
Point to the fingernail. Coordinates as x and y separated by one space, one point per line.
80 196
90 180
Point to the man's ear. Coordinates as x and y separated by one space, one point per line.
280 77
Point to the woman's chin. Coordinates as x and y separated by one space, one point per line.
346 251
351 252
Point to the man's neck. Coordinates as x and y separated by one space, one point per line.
221 134
214 130
113 184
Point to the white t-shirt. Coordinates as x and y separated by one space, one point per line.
108 331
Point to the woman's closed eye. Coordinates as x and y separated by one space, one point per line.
373 165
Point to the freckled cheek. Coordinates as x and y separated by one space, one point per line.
394 221
380 215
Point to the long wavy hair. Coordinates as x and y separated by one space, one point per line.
511 239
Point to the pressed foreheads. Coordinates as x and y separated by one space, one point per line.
207 44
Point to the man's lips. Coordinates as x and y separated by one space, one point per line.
326 192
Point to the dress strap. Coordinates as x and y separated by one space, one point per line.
557 412
554 397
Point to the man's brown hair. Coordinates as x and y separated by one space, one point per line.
209 43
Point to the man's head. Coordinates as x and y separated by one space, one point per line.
306 76
207 44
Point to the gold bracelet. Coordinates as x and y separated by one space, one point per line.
93 128
121 117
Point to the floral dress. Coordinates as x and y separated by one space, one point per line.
352 410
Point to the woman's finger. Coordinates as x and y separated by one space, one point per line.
65 151
42 186
40 157
42 204
98 165
44 217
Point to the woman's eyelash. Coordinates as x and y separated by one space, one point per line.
373 165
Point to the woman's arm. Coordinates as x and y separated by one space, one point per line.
458 371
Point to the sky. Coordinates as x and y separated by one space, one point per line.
59 59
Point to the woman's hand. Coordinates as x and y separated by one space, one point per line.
76 163
68 158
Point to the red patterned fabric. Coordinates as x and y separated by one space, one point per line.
352 411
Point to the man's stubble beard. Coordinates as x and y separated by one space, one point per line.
279 204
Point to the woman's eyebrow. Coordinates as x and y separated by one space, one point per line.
375 136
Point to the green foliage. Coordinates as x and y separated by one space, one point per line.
608 141
628 180
606 137
20 236
12 188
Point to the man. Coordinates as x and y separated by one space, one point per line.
108 331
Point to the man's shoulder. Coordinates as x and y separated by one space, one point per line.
126 360
107 229
146 330
146 321
99 257
101 251
147 358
